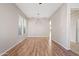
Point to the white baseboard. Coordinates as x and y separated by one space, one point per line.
11 47
61 45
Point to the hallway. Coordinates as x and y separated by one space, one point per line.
38 29
38 47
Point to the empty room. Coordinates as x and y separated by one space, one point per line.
39 29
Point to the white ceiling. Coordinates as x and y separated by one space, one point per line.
36 10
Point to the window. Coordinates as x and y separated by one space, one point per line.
21 25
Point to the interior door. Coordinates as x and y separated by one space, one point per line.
77 30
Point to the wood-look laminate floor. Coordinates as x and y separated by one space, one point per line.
38 47
74 47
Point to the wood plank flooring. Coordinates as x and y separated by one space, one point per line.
74 47
38 47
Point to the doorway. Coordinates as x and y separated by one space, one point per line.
74 42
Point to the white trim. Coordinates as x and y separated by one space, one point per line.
68 26
11 47
61 45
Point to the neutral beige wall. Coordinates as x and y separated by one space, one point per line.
59 26
9 26
38 27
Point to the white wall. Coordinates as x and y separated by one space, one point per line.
9 26
38 27
60 26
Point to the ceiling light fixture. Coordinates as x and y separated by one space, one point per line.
40 3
